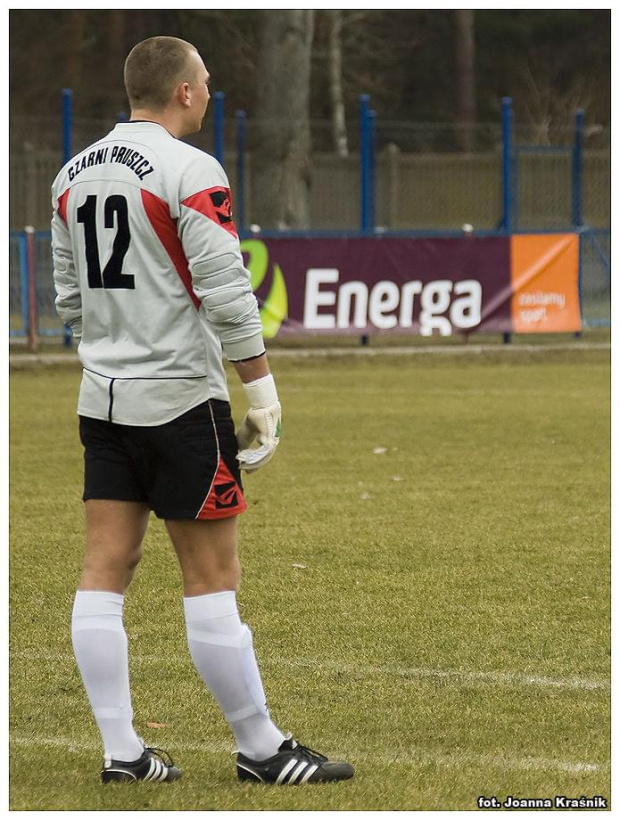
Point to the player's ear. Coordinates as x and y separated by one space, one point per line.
183 94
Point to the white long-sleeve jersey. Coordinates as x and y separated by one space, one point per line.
148 272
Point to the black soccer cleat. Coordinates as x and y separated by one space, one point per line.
155 764
292 765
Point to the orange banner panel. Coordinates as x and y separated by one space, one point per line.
545 283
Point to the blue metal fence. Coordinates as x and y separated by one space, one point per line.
67 124
240 197
595 276
20 272
507 168
554 202
365 165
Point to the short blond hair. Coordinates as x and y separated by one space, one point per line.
154 68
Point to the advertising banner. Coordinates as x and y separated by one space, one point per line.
545 283
442 286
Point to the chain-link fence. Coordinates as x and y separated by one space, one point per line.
421 182
48 323
595 267
18 286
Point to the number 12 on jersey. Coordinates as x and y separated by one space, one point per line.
111 276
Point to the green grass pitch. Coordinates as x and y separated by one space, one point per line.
437 613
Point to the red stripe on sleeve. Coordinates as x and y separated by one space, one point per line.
164 226
62 205
216 205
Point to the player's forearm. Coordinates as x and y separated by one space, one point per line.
252 369
223 286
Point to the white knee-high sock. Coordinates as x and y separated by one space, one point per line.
222 651
100 646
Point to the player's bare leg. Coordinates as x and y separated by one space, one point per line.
208 555
219 643
114 534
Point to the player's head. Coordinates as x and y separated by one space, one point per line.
168 74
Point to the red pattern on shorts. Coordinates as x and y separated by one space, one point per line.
225 497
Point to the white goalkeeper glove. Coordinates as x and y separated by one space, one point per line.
262 422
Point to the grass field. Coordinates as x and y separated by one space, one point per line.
437 613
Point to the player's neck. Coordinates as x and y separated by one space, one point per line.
167 120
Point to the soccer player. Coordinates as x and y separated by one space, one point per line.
150 277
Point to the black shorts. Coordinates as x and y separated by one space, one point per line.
184 469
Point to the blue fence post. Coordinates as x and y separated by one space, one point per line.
366 171
23 283
507 162
67 150
67 124
577 171
33 308
364 163
240 196
577 197
507 175
218 124
580 240
372 159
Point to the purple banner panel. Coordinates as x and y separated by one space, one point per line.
370 285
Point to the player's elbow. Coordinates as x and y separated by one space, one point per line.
229 306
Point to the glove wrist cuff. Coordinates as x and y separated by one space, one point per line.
262 392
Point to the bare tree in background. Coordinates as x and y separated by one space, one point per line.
281 138
339 127
77 27
117 23
465 79
394 55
